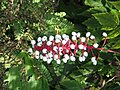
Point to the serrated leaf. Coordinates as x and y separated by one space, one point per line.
116 4
18 29
114 33
92 23
29 65
116 45
57 23
44 71
108 21
71 85
44 84
37 84
94 2
94 10
14 79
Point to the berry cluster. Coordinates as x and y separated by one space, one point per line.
62 48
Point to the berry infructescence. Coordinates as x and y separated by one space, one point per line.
61 48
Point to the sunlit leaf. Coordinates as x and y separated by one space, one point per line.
94 2
116 4
114 33
107 20
116 45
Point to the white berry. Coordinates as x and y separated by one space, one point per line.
64 60
44 58
72 46
95 63
74 33
49 43
63 42
67 51
66 56
39 39
30 50
55 57
51 38
81 58
61 53
55 48
64 35
57 36
74 38
95 45
49 60
58 61
87 34
80 46
85 48
44 38
92 37
57 41
83 39
37 56
67 38
85 54
37 52
93 59
72 58
78 34
44 50
104 34
33 42
60 48
39 43
50 54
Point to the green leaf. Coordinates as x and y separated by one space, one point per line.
71 85
29 65
61 14
28 81
39 84
116 45
114 33
107 20
14 78
36 1
94 10
21 54
55 22
93 88
44 70
93 3
116 4
18 29
44 84
92 23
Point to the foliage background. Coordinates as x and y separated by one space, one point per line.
23 20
